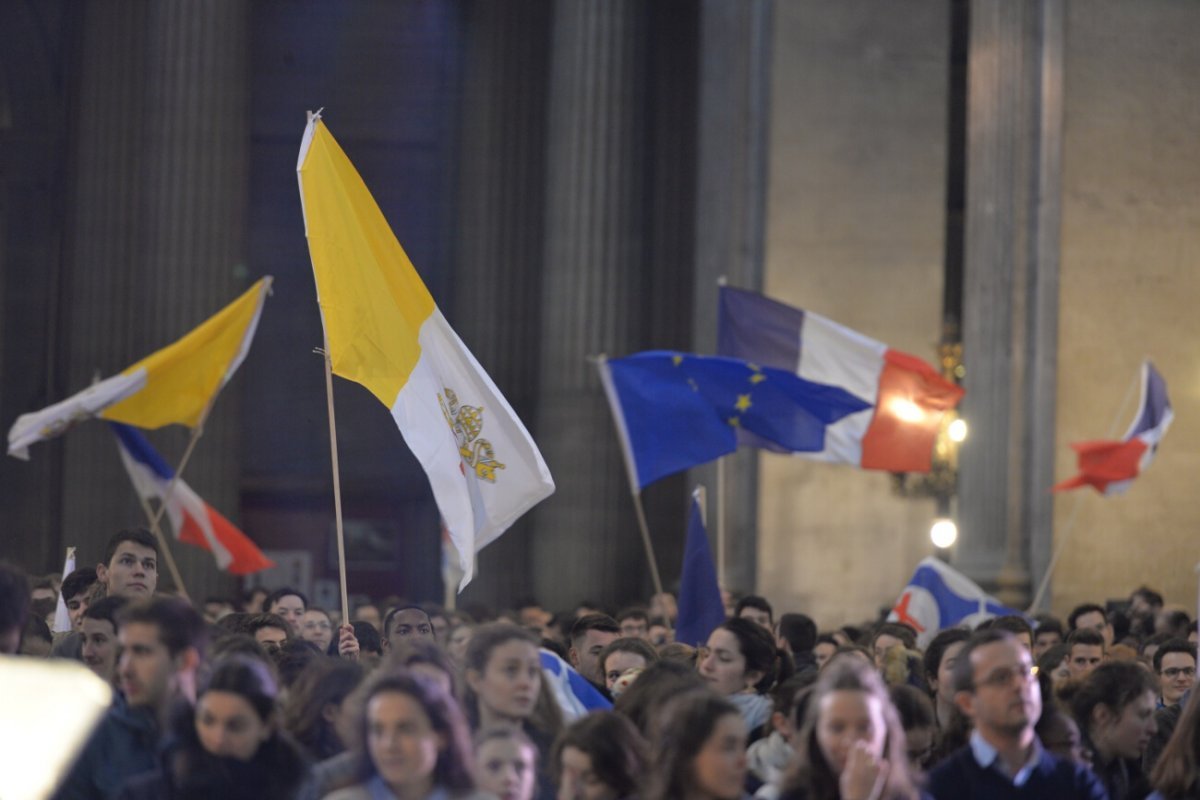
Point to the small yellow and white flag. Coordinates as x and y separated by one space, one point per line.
383 330
171 386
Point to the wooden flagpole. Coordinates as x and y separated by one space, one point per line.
610 394
641 516
1069 528
156 516
337 484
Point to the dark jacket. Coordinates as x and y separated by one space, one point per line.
960 776
186 771
124 744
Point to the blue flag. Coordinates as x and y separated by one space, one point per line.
700 606
676 410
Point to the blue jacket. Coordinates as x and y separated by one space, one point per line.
124 744
960 776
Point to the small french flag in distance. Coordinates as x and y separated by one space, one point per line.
1109 467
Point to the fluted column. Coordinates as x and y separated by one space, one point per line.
157 236
498 262
586 537
734 115
1010 290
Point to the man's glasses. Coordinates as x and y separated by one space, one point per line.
1175 672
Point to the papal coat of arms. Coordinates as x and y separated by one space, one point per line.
467 424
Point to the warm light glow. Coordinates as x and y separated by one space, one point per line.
906 410
957 430
943 533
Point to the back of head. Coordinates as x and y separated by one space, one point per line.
799 631
179 625
619 754
677 735
322 683
656 685
368 638
14 606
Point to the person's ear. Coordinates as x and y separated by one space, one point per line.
329 712
779 723
573 657
965 702
473 679
753 677
102 574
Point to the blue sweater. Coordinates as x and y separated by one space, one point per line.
960 777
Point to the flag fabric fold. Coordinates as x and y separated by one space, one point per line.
677 410
383 330
1110 467
193 520
700 607
173 385
909 396
62 617
938 597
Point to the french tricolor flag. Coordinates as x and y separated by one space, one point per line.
194 521
1109 467
909 397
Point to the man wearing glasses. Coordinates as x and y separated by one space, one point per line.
996 688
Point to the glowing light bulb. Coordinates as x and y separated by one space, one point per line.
957 430
943 533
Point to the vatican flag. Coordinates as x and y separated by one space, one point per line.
172 386
383 330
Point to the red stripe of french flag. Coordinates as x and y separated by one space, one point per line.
910 397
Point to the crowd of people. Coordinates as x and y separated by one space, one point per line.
270 697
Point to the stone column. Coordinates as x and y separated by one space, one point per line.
1014 138
734 115
157 238
499 247
586 542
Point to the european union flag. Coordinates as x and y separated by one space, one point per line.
677 410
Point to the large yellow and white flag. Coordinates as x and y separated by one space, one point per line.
171 386
383 330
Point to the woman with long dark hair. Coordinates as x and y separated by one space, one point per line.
1176 776
411 742
851 745
601 756
699 748
317 711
